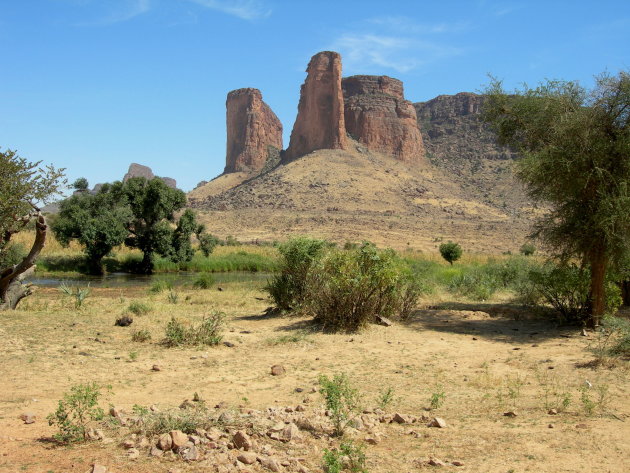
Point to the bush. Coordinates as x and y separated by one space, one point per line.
450 251
287 289
139 308
207 243
349 457
161 422
160 286
11 255
75 412
141 336
527 249
620 331
341 399
477 283
204 281
348 289
207 333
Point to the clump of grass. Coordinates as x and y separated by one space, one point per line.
348 457
187 420
160 286
437 398
139 308
141 336
204 281
172 297
206 333
285 339
386 397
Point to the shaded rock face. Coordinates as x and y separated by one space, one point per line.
138 170
377 115
320 119
252 128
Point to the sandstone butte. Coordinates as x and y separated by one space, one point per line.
378 116
320 119
252 128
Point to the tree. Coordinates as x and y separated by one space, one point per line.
81 184
181 248
153 205
451 251
527 249
98 222
23 186
576 148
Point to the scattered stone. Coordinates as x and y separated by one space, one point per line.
96 468
95 434
435 462
116 412
290 432
384 321
133 453
401 418
165 442
179 439
269 463
28 417
129 443
247 458
581 426
300 408
191 454
229 344
373 440
124 321
551 426
509 414
299 390
437 422
552 412
457 463
156 452
156 368
242 441
277 370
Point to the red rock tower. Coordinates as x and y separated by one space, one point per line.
320 119
377 115
251 128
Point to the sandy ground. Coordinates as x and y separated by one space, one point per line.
486 359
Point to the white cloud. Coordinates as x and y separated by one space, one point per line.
404 24
402 54
243 9
116 11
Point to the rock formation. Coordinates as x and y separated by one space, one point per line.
138 170
320 119
252 128
377 115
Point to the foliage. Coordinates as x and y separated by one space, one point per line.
164 421
13 253
141 336
98 222
79 294
160 286
527 249
451 251
386 397
204 281
349 457
172 297
348 289
207 243
437 398
181 248
206 333
139 308
287 289
81 184
341 399
613 338
576 147
75 412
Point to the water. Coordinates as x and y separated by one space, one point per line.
132 280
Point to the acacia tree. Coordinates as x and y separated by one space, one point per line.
576 148
23 186
98 222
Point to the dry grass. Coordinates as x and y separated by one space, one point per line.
484 365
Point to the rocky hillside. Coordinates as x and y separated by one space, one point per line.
365 163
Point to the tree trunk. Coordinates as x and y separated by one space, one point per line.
12 290
598 263
625 292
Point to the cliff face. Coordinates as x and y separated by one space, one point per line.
320 120
138 170
252 128
378 116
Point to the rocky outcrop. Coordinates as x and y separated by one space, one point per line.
253 131
320 119
377 115
138 170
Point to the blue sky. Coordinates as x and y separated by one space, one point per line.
93 85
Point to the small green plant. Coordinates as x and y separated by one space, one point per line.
294 338
141 336
206 333
341 399
385 397
349 457
75 412
437 398
587 403
163 421
204 281
133 355
160 286
79 294
613 338
207 243
527 249
139 308
556 394
172 297
450 251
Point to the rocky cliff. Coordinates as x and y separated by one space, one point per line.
320 119
252 128
378 116
138 170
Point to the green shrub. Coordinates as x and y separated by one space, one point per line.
527 249
476 283
349 457
141 336
231 241
206 333
75 412
79 294
207 243
160 285
164 421
341 399
204 281
450 251
172 297
288 288
348 289
139 308
12 254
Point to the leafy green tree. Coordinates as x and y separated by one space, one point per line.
81 184
98 222
207 241
451 251
23 186
181 247
153 205
576 148
527 249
